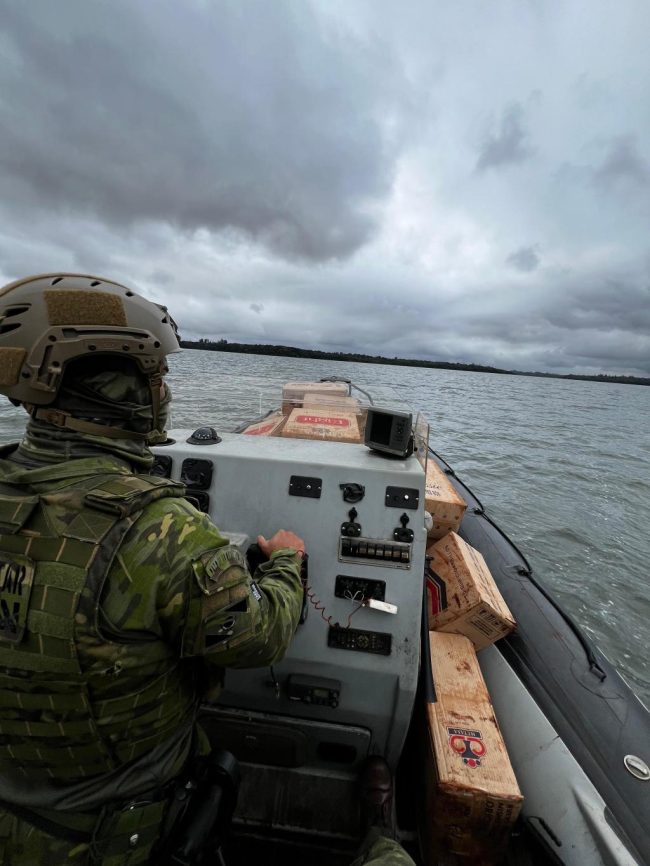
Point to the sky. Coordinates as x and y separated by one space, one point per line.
460 180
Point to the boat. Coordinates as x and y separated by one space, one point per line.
355 677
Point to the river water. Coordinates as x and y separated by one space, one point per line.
562 466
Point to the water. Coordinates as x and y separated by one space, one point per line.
562 466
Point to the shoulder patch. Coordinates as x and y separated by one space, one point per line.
219 569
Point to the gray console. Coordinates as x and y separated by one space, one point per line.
346 687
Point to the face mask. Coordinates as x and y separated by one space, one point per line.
117 399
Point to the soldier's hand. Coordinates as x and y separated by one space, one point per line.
282 538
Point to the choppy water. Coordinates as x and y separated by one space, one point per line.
562 466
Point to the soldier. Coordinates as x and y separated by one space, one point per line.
117 596
120 603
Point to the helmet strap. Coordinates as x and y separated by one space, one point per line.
156 385
66 421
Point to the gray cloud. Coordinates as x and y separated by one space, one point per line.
525 259
271 125
607 304
509 144
316 162
623 163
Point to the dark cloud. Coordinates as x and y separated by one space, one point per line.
606 304
509 144
222 116
558 327
623 163
525 259
301 173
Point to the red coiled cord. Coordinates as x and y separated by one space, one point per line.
316 602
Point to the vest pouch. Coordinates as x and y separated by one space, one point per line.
123 497
126 837
15 511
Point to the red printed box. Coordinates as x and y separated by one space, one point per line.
268 426
471 793
462 594
332 426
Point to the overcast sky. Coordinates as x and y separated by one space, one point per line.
459 180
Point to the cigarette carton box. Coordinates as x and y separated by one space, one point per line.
471 793
445 505
462 595
293 393
269 426
334 426
329 402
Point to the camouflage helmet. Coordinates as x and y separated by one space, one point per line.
49 319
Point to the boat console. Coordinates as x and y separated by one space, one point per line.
346 687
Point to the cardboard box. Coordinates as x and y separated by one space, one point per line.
293 393
462 595
333 426
330 403
442 501
471 793
269 426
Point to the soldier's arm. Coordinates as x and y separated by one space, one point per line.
238 621
175 576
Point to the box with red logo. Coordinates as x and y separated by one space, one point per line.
269 426
472 795
334 426
462 596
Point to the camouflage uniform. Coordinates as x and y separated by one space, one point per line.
120 604
177 605
380 850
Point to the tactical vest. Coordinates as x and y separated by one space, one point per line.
56 550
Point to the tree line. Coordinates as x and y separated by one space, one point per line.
360 358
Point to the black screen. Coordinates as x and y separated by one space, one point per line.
380 430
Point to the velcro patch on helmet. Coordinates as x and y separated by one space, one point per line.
11 360
85 308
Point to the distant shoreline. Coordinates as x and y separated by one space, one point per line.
294 352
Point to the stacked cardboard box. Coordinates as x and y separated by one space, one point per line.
293 393
333 426
269 426
462 595
328 402
472 796
442 502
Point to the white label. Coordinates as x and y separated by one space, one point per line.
384 606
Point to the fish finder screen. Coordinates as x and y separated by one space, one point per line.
380 428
